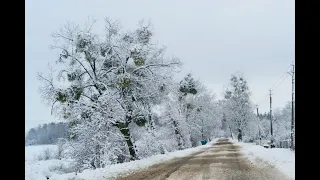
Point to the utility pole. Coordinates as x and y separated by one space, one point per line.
271 117
292 106
259 126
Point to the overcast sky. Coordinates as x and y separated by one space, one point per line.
213 39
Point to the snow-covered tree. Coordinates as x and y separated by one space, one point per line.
282 123
237 105
106 84
191 112
204 121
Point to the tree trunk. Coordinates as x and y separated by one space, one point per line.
231 132
97 158
239 135
178 135
151 122
124 129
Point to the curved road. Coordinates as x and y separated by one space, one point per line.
222 161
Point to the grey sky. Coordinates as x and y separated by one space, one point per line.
213 38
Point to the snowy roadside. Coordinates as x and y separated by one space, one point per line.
283 159
112 171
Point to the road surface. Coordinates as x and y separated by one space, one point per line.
222 161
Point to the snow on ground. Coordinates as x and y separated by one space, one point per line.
32 152
37 170
40 169
283 159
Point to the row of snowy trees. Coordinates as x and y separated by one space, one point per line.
237 109
239 117
118 94
281 124
47 133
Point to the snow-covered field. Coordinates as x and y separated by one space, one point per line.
32 152
283 159
40 161
38 170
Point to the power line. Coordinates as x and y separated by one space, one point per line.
281 82
273 86
285 72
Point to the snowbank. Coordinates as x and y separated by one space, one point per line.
113 171
283 159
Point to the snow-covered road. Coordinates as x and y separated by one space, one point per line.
222 161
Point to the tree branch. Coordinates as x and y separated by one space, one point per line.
151 65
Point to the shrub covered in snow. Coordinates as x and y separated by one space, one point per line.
46 154
61 168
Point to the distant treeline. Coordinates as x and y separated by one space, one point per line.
47 133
